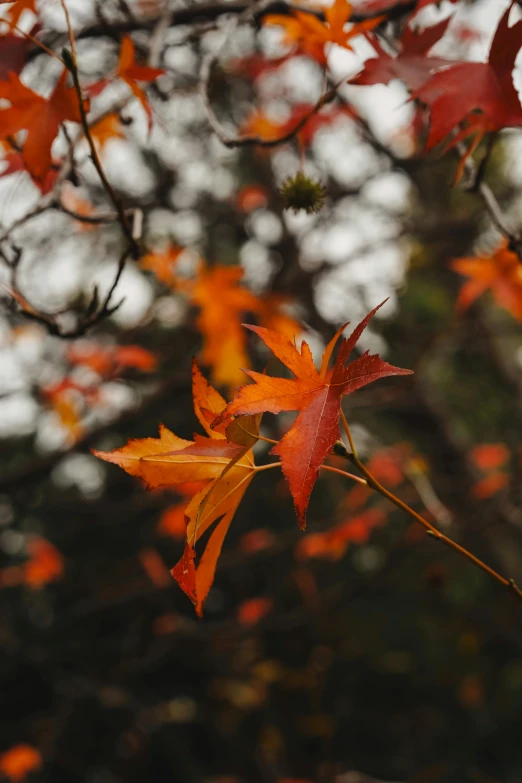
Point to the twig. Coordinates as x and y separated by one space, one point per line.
71 62
431 530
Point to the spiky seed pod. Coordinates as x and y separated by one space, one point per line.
302 192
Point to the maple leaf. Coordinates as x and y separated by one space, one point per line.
111 360
40 117
222 301
15 164
311 34
251 197
333 543
108 128
490 485
132 73
489 456
501 272
489 90
45 563
411 64
13 52
317 397
17 9
19 761
226 466
253 610
163 264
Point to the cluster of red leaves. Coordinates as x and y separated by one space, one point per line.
489 103
223 458
40 117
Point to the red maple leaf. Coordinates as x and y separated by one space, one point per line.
131 73
317 397
411 65
40 117
489 89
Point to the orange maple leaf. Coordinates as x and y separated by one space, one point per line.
45 563
490 456
317 397
17 8
19 761
222 302
490 485
163 264
132 73
225 465
112 360
332 544
311 35
501 272
40 117
108 128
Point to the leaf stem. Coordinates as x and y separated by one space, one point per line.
431 530
351 476
259 468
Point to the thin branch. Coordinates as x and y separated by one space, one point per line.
71 63
431 530
207 12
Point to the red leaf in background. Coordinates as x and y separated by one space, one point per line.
255 65
15 164
257 540
501 272
317 395
332 544
490 485
13 51
111 360
45 563
411 65
251 611
251 197
19 761
17 9
131 73
155 568
40 117
489 89
172 521
489 456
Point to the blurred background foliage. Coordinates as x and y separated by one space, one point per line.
360 650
